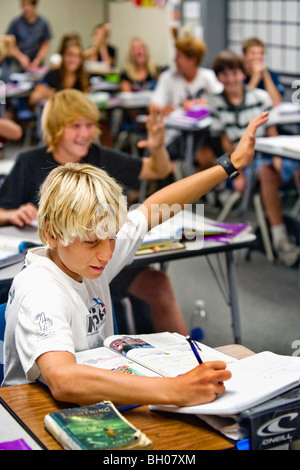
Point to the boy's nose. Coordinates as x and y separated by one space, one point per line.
107 249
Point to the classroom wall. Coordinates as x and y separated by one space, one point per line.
63 16
152 24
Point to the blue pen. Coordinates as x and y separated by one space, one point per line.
195 348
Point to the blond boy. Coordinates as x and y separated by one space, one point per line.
60 303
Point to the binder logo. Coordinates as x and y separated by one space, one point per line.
277 425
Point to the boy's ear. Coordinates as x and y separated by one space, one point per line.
50 239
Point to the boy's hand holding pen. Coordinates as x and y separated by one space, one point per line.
196 348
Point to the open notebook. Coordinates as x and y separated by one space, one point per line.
255 379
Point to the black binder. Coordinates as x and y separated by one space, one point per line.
275 423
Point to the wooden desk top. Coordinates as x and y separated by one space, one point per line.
167 431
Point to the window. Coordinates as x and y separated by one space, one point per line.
276 22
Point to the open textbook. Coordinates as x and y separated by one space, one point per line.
255 379
154 354
187 226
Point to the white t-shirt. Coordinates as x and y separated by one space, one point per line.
173 89
49 311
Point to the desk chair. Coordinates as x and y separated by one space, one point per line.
2 329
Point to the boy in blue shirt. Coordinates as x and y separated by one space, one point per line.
32 35
258 75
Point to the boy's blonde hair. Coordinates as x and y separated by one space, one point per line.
63 108
80 202
192 47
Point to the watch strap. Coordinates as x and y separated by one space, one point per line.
228 166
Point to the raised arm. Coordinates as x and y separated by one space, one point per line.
190 189
158 164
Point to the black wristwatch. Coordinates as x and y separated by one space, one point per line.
225 162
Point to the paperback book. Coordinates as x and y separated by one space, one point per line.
95 427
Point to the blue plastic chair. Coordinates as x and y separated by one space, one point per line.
2 329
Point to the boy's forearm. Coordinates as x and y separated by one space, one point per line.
160 162
44 49
86 385
16 53
271 88
186 191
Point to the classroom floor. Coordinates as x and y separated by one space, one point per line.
268 295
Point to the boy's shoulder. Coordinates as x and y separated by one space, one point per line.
36 155
257 94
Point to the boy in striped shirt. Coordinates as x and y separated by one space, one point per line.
232 111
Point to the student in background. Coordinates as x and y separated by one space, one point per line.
56 59
184 86
231 111
258 75
70 126
140 73
32 34
70 74
68 281
101 50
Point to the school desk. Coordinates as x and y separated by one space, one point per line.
285 146
31 402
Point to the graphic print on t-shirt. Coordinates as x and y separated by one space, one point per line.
96 317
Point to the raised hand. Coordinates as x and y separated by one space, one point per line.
244 152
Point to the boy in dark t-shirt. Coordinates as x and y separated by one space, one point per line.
69 124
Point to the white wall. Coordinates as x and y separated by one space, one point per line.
128 20
63 16
151 24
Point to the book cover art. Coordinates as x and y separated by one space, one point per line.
94 427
